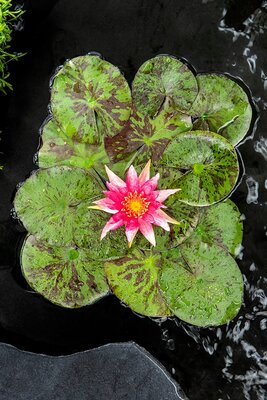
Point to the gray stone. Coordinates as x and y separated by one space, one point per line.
122 371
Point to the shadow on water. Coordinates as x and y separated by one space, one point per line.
228 362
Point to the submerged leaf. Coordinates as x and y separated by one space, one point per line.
222 106
65 276
209 165
90 98
221 224
58 148
202 284
161 83
134 280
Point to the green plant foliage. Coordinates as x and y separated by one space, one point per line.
191 272
162 83
58 148
66 276
221 224
134 280
149 136
222 106
7 17
209 163
202 284
90 99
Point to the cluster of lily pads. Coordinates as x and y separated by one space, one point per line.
187 125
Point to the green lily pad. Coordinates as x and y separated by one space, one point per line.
221 224
149 137
163 83
134 280
209 164
65 276
53 205
90 98
202 284
58 148
186 215
222 106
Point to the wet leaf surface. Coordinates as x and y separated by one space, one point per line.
222 106
66 276
134 280
90 99
163 82
221 224
209 165
202 284
58 148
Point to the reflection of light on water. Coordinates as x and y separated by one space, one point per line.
260 146
253 190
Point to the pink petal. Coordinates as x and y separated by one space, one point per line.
107 205
132 181
160 220
150 185
167 217
111 225
131 230
114 179
147 230
164 194
145 174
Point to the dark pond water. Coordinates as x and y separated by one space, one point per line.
223 363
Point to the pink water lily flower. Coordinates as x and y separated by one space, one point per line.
135 204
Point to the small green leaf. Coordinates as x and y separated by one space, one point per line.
58 148
90 99
221 224
202 284
65 276
209 165
163 83
134 280
222 106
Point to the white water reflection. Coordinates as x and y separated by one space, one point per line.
253 190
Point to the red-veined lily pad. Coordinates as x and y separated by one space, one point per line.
201 284
221 224
162 83
134 280
90 98
209 164
146 138
58 148
65 276
222 106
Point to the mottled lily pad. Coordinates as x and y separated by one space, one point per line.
53 205
90 98
186 215
162 83
209 165
202 284
221 224
65 276
134 280
58 148
222 106
149 136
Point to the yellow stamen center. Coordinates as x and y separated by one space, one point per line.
135 205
